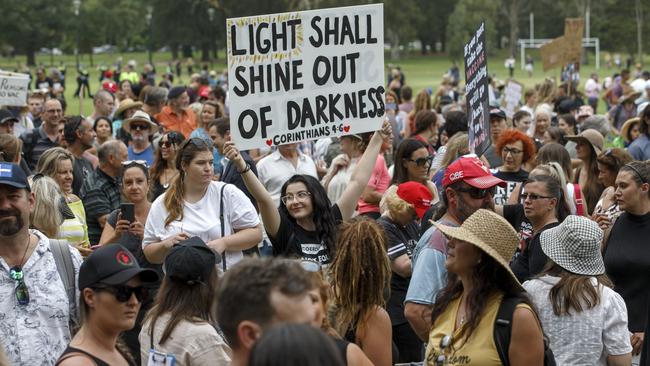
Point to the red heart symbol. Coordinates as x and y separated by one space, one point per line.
346 128
269 142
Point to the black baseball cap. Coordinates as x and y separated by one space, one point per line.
6 116
497 113
112 264
12 175
191 261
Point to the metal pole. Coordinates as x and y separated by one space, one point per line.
597 54
532 26
587 19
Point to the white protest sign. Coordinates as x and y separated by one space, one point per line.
512 96
13 89
305 75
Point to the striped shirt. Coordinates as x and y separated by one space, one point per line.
35 142
100 195
75 231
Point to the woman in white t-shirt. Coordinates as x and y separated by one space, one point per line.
195 205
584 318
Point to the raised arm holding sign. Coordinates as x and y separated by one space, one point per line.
305 75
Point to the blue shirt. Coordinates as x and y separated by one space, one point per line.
146 155
218 164
640 148
429 274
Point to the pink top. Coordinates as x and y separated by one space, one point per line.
379 180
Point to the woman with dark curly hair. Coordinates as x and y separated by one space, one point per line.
304 225
516 149
479 282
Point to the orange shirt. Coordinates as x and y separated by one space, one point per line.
184 123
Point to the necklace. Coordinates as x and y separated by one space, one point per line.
19 266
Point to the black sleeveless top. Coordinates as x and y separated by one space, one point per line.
97 361
342 347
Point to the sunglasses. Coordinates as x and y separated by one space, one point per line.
478 193
422 161
445 343
166 144
139 127
21 292
128 163
532 196
310 266
123 293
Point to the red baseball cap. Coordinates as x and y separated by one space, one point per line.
109 86
416 194
472 171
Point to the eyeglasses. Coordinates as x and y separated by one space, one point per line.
139 127
300 196
533 196
478 193
124 293
512 151
129 163
422 161
21 292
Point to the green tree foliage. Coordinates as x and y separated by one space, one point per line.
464 21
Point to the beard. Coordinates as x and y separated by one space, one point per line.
8 227
465 210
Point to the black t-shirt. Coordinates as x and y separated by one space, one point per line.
292 240
531 261
627 261
511 178
81 169
401 240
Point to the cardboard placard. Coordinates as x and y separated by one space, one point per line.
573 31
512 96
305 75
553 53
13 89
476 92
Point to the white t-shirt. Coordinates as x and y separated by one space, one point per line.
584 338
340 180
274 170
202 218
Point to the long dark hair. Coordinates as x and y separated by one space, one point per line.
644 119
593 188
554 188
573 291
489 278
159 165
404 151
193 303
322 209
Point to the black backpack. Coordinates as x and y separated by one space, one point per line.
503 330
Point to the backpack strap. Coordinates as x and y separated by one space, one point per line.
223 261
503 327
580 208
63 260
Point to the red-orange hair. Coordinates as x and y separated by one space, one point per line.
510 136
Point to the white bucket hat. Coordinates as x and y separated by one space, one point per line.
575 246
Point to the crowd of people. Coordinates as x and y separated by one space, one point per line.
142 235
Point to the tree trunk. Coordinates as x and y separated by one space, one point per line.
187 51
205 51
423 47
174 49
394 46
31 57
513 19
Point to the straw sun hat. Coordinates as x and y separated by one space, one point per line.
489 232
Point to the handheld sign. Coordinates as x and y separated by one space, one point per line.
13 89
476 92
512 97
305 75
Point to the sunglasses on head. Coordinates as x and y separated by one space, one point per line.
477 193
129 163
21 292
123 293
422 161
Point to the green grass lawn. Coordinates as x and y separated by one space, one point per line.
422 71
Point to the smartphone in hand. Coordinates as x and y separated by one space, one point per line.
128 212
